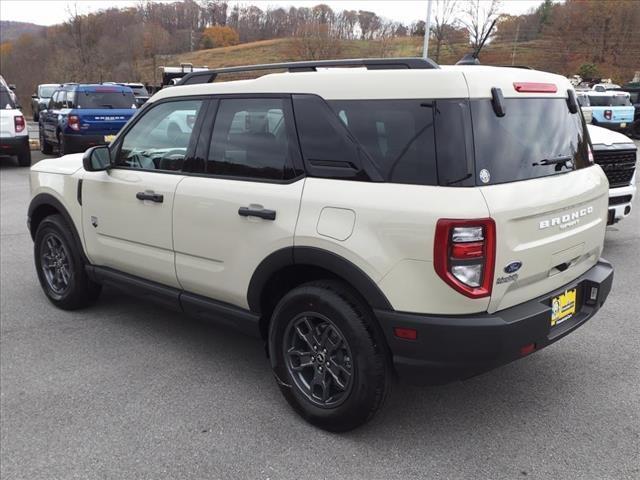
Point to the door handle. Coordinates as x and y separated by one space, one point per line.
257 212
154 197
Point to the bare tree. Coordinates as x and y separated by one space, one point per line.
477 18
444 17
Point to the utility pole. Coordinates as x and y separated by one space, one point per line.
427 30
515 43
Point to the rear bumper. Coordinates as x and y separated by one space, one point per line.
451 348
14 145
80 143
617 126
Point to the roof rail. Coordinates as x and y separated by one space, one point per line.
209 76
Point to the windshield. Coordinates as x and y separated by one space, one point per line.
5 99
537 137
583 100
46 92
105 99
609 100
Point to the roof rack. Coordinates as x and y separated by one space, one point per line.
411 63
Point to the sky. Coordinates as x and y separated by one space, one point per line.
50 12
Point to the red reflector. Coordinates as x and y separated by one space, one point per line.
467 250
405 333
527 349
607 114
535 87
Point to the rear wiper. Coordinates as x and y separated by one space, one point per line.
554 161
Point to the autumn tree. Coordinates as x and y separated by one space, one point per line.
443 19
477 18
219 36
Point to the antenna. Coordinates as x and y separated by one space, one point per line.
472 58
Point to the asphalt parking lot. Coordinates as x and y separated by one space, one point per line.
128 390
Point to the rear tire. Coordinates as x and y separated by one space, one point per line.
329 356
63 149
35 116
45 147
24 156
60 267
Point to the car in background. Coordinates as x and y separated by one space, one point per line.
139 91
616 154
633 89
585 106
611 109
14 136
80 116
40 99
604 87
11 89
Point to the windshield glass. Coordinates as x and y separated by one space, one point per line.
620 101
46 92
105 99
609 100
537 137
5 99
139 90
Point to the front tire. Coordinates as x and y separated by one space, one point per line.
60 267
329 356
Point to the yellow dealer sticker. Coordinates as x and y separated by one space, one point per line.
109 138
563 307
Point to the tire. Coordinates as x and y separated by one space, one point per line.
340 387
45 147
62 147
35 116
60 267
24 156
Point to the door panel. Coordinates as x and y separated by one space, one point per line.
126 233
217 249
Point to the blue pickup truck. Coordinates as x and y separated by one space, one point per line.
611 109
80 116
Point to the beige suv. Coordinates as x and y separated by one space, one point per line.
393 218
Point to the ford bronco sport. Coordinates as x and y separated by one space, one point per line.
397 218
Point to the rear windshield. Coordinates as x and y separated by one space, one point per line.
5 99
609 101
104 99
139 90
46 92
532 133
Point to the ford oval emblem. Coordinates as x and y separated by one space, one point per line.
513 267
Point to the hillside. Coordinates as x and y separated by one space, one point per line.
284 49
10 31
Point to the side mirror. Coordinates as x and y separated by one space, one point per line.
12 87
34 96
97 159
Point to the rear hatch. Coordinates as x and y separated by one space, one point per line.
547 198
103 110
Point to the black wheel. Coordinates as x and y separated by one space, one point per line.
45 147
35 116
329 356
60 266
62 146
24 156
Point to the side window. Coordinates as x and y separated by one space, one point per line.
56 102
161 137
398 135
251 138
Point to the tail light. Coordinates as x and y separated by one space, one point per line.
19 123
74 122
464 255
607 114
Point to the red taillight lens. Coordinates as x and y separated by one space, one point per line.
74 122
464 255
535 87
19 123
607 114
